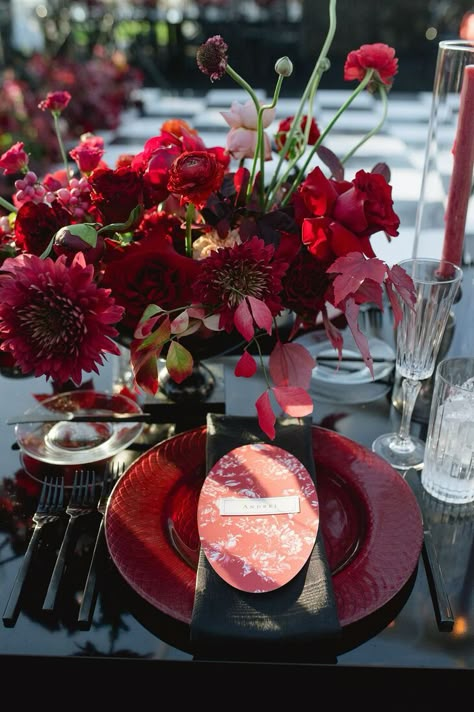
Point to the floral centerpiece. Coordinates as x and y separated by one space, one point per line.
184 240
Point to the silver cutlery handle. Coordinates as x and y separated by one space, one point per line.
52 592
12 608
90 589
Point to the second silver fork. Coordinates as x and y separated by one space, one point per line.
82 502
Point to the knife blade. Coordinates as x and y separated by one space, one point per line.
57 417
439 595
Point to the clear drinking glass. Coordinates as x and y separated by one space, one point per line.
419 336
448 472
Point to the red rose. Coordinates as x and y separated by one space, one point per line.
327 239
367 206
149 272
195 175
378 56
115 193
36 224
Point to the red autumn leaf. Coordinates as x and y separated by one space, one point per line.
179 362
261 314
157 338
266 416
243 320
353 269
144 365
291 365
333 333
351 312
180 323
148 320
246 366
403 283
241 181
399 280
294 401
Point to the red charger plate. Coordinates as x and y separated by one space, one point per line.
370 522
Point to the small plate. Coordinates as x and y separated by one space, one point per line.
68 443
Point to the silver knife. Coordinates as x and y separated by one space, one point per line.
57 417
439 595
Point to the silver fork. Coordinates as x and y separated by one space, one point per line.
111 475
49 509
82 502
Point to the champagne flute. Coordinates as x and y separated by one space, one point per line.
419 336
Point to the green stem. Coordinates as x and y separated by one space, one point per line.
262 363
60 142
341 110
240 80
309 91
8 206
383 94
188 237
260 148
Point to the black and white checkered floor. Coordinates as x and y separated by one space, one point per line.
400 143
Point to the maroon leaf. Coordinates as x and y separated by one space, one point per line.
383 169
261 314
294 401
243 320
352 314
331 161
353 269
266 416
246 366
291 365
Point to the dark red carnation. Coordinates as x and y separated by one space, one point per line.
161 225
37 223
115 193
150 272
195 175
306 286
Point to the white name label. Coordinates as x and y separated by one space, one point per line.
259 505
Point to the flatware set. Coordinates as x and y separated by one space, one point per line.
52 508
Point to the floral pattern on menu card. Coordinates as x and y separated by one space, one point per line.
262 551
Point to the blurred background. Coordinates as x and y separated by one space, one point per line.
105 51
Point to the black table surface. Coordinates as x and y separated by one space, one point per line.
131 635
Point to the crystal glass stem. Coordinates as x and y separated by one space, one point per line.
410 390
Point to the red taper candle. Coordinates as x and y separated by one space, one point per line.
461 180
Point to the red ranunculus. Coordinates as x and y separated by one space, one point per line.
36 223
150 272
378 56
284 128
195 175
116 193
367 206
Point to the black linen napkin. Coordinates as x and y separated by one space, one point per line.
296 622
